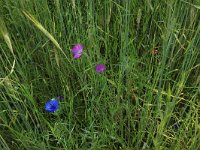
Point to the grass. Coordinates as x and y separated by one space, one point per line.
135 104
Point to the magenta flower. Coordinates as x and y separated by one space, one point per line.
77 51
100 68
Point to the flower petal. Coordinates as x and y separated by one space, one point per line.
77 50
100 68
60 97
52 105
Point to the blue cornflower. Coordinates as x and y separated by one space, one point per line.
52 105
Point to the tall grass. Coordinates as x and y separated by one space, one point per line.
142 101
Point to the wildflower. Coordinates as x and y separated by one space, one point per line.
60 97
100 68
77 51
52 105
154 51
176 126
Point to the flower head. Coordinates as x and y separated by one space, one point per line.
100 68
60 97
176 126
77 51
155 51
52 105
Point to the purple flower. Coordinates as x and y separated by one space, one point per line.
100 68
176 126
77 51
60 97
52 105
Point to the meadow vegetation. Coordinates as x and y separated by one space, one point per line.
147 98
